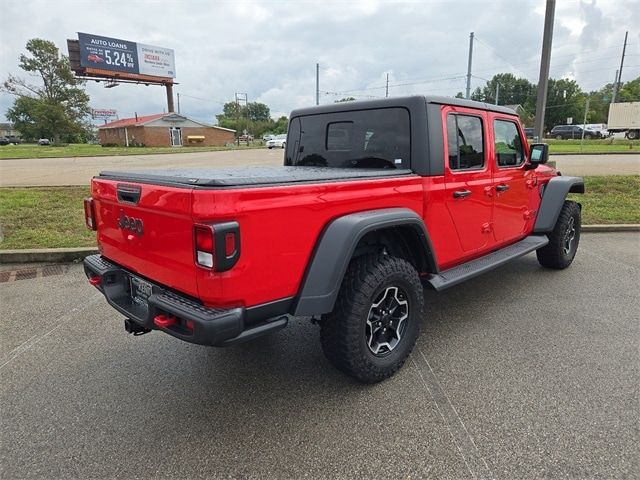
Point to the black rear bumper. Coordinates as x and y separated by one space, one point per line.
194 323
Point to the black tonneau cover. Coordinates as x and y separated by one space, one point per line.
249 176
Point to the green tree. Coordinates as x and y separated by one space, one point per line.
281 125
512 91
57 106
630 91
255 118
565 100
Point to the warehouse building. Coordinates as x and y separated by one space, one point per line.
163 130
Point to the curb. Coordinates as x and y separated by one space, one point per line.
45 255
59 255
631 227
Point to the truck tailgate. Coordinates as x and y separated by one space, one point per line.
147 229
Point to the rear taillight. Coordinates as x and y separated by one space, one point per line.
217 246
204 241
89 214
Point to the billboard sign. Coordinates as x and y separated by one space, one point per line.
103 113
117 55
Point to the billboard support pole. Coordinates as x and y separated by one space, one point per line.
169 97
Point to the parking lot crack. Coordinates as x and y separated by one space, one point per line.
473 459
34 340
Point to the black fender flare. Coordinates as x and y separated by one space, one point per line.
554 194
335 248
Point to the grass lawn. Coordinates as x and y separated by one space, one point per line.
593 146
42 217
610 199
92 150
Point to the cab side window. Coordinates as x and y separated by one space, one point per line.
508 144
465 142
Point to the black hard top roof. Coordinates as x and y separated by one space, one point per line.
399 102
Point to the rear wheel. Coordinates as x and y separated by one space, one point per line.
376 319
632 134
563 240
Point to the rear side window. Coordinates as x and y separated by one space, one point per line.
508 144
377 138
465 142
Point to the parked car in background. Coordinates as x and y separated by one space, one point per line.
280 141
13 139
268 137
528 131
245 138
564 132
601 128
4 141
44 141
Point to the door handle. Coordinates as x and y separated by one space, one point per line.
461 193
502 188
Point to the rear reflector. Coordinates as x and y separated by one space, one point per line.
89 214
229 244
95 280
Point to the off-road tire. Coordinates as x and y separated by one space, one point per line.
343 331
554 254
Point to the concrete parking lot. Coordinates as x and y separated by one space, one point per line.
521 373
78 171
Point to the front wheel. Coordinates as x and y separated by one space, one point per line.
563 240
632 134
376 319
284 145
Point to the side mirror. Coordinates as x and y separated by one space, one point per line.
538 155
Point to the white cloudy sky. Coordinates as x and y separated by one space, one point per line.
269 49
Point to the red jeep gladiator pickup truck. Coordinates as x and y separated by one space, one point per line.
375 200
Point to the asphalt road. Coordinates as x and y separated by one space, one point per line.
79 170
522 373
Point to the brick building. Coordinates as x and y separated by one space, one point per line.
163 130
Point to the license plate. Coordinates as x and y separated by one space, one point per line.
140 290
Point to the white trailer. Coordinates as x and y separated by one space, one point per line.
625 117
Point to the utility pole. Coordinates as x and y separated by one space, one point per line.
241 97
497 92
469 66
178 94
386 95
317 84
584 121
541 103
613 90
618 84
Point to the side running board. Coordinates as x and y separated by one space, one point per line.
456 275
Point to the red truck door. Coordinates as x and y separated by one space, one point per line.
468 177
512 191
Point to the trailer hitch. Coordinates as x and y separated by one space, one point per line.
132 327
